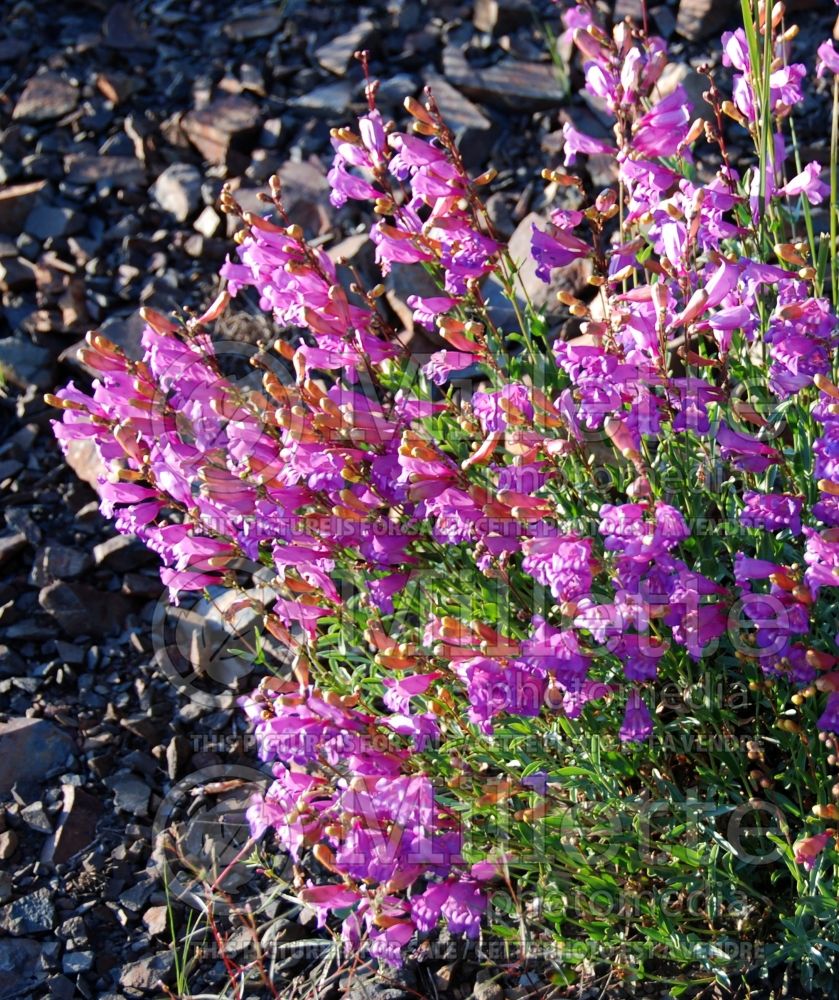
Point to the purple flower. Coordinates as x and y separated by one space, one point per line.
442 363
829 719
577 142
555 249
562 563
637 723
808 183
772 511
746 452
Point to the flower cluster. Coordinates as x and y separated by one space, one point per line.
463 546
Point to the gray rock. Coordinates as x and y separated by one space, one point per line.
84 459
571 278
509 84
57 562
326 101
131 795
32 914
337 55
35 817
11 664
45 97
694 84
394 90
83 610
115 171
472 129
135 898
70 653
31 750
178 190
242 29
49 222
156 919
212 129
698 19
74 962
19 968
177 756
8 844
121 553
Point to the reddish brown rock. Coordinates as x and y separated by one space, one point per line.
76 828
214 129
116 87
46 97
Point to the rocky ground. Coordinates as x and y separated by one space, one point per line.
120 123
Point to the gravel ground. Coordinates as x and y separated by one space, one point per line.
120 123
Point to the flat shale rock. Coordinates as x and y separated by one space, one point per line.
144 974
32 914
242 29
46 97
31 749
510 84
115 171
19 968
697 19
83 610
472 129
58 562
212 130
338 53
131 794
327 101
306 196
50 222
76 828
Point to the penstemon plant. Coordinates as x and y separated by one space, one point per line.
559 609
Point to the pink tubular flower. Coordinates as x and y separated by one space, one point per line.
578 142
746 452
808 183
828 58
555 249
808 849
663 129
